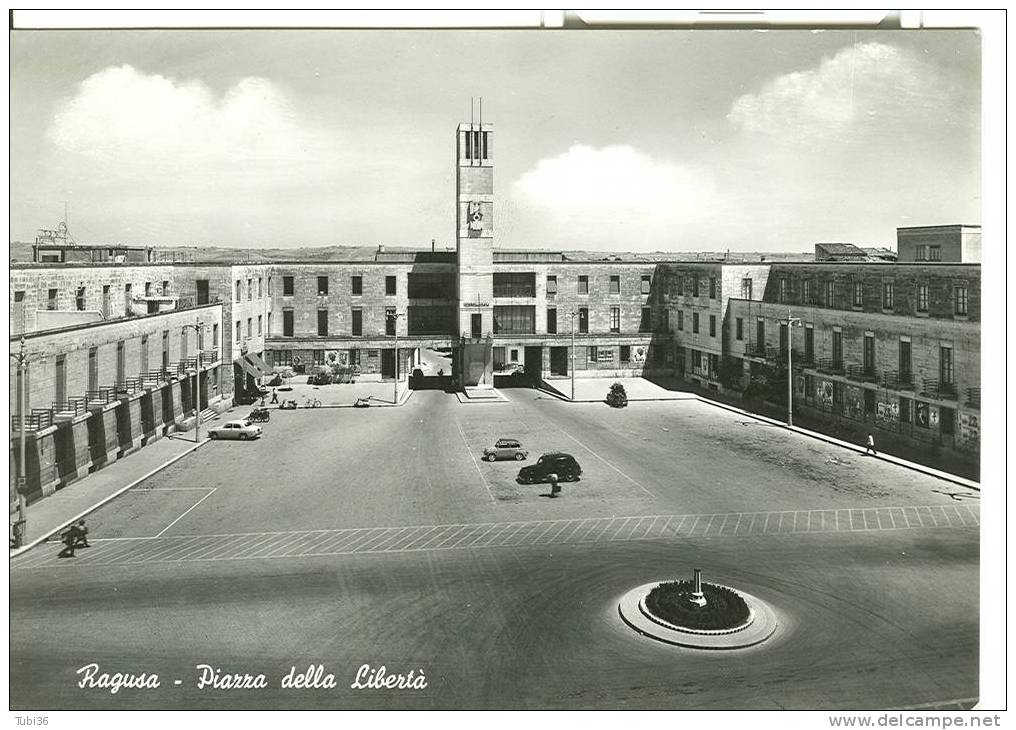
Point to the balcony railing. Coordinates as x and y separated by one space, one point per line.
939 390
208 357
129 386
75 406
755 349
895 380
830 366
101 397
862 374
36 420
974 398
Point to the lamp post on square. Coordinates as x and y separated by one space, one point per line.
572 314
394 318
198 327
791 323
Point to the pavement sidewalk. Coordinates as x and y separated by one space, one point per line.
55 512
339 395
594 390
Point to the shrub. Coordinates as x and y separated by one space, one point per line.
724 609
617 397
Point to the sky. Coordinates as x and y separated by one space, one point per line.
603 140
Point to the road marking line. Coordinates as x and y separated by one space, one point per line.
475 463
578 524
170 489
420 536
218 544
449 536
973 515
621 527
649 529
160 552
362 536
765 528
278 547
187 512
635 527
383 536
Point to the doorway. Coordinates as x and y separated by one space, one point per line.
558 360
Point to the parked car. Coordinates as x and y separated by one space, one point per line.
235 430
512 368
564 465
505 449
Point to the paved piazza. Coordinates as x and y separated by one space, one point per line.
349 537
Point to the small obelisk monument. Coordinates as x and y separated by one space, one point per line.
696 595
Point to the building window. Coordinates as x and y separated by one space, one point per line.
322 286
165 349
93 369
694 322
269 324
261 291
858 294
357 286
830 294
238 325
745 288
837 349
905 362
287 286
680 320
646 283
869 354
614 285
712 325
148 290
215 336
887 295
121 360
391 321
269 286
960 301
694 286
552 321
665 320
260 325
591 353
318 357
390 286
250 289
712 287
809 343
322 322
646 320
514 285
583 320
552 285
945 365
806 291
144 354
354 357
287 322
783 289
61 373
283 357
615 319
515 320
739 328
79 300
920 253
250 327
625 353
934 253
922 297
51 298
357 322
680 285
783 338
583 285
760 333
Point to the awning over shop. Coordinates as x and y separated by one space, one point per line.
259 364
248 368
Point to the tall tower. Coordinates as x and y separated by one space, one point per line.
474 243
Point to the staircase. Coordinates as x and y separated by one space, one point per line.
208 414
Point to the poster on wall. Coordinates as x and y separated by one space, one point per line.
824 394
887 414
853 406
921 417
638 354
969 431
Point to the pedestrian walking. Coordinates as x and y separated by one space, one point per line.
81 540
555 488
275 396
70 540
870 446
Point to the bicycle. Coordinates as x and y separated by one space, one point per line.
311 402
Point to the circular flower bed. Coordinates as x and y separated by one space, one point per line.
671 602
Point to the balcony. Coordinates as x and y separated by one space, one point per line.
36 420
70 408
973 398
128 386
939 390
101 397
209 357
862 374
755 349
829 366
894 380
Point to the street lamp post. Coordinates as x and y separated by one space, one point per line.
198 327
21 524
791 323
572 314
394 317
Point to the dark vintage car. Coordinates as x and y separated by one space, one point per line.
564 465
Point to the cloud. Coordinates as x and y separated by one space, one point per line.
135 120
600 192
867 87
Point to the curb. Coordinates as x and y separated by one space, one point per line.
25 548
379 404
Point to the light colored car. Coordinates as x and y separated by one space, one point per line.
239 430
511 369
505 449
